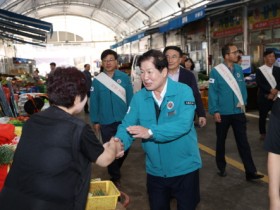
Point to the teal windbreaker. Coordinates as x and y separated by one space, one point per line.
105 106
173 149
221 97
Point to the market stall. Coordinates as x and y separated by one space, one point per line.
9 137
17 90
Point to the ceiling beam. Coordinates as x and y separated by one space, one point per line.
137 7
82 4
100 6
12 4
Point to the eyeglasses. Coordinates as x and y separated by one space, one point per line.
234 52
108 61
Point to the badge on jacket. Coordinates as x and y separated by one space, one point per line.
189 103
170 105
211 80
169 114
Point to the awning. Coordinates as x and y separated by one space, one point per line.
134 37
186 18
118 44
23 29
172 24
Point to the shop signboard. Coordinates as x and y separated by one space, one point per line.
264 15
246 64
228 31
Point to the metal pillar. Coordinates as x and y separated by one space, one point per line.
208 35
245 29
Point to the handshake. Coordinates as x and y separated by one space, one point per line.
115 146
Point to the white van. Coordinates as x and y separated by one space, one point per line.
135 74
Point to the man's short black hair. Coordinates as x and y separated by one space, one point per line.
158 59
226 49
267 52
109 52
53 64
178 49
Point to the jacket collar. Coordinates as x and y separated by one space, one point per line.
170 91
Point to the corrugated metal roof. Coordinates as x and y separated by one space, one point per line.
122 16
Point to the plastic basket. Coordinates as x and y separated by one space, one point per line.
103 202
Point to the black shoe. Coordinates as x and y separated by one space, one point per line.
222 173
253 176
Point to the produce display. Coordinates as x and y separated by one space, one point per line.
15 91
19 98
8 143
18 121
7 153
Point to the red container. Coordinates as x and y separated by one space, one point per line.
3 174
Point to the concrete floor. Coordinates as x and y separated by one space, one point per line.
229 193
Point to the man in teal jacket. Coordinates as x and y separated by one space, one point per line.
227 99
111 93
161 114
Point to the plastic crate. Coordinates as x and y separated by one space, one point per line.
103 202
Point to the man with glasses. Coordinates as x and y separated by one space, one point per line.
111 92
177 73
227 99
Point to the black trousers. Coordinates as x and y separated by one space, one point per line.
238 123
184 188
272 143
265 106
107 131
86 105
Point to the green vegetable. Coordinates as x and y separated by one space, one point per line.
98 192
6 154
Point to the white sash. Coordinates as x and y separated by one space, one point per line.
112 85
269 77
230 80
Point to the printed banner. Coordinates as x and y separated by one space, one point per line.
246 64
